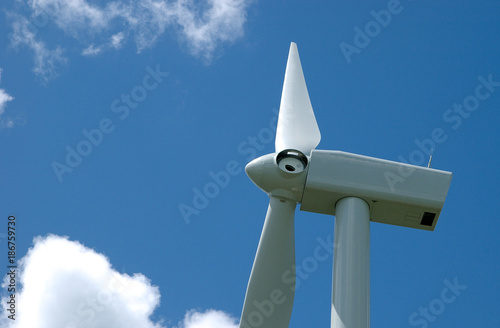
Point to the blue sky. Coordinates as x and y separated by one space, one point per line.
172 93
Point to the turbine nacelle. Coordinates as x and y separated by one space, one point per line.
280 175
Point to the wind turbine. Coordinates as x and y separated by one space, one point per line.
355 189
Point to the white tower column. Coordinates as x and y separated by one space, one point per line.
351 266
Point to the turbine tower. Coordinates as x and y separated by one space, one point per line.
355 189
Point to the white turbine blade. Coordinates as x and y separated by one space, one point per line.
271 288
297 127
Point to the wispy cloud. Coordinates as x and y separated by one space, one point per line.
91 50
222 22
72 16
117 40
45 61
5 122
67 285
201 25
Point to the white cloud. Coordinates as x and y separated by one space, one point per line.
4 99
72 16
203 30
46 61
91 50
117 40
67 285
7 122
222 22
202 25
208 319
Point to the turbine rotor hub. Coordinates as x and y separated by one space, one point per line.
280 175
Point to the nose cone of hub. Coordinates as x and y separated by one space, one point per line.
275 181
254 170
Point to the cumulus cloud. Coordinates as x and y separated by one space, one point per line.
208 319
201 25
67 285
